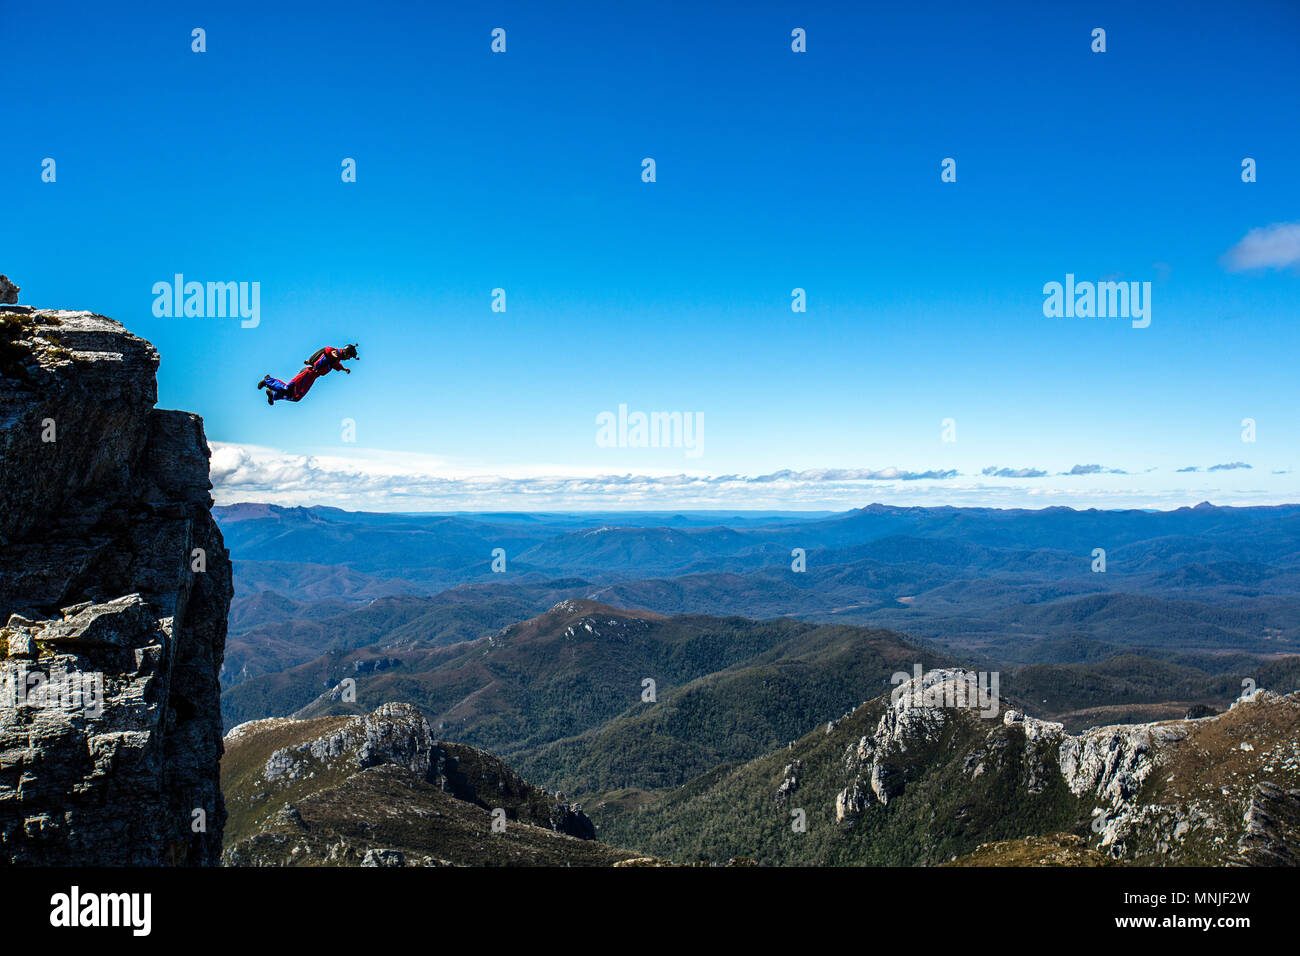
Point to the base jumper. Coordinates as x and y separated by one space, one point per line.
321 363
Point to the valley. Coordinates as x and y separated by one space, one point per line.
767 681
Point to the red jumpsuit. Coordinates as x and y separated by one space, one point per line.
303 381
327 359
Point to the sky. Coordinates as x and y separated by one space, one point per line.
924 369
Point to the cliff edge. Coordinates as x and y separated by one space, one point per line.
114 590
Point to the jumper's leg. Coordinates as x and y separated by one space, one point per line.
301 384
275 389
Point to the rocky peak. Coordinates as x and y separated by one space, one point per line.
114 591
329 758
1221 788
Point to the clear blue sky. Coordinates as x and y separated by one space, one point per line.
775 170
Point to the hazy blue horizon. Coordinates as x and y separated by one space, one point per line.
724 513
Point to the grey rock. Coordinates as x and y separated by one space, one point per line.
569 819
8 291
289 814
1112 762
383 858
1106 768
851 801
395 733
789 780
910 720
1271 820
119 758
123 622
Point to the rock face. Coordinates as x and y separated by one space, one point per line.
907 723
1112 762
115 586
8 291
1157 793
1273 813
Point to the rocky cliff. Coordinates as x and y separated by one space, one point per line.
114 589
1214 790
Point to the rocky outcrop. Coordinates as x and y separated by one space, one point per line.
789 780
1110 763
114 590
334 756
1104 763
911 723
394 733
1169 792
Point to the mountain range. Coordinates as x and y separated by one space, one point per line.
687 676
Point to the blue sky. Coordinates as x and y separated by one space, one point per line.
775 170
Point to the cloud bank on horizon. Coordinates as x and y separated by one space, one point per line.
380 481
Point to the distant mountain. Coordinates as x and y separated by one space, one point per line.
545 664
435 545
307 581
560 694
647 550
980 582
296 632
738 713
391 621
266 608
563 695
425 548
1267 534
561 673
721 593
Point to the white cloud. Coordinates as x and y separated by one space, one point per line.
409 482
377 480
1094 470
1267 247
995 472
